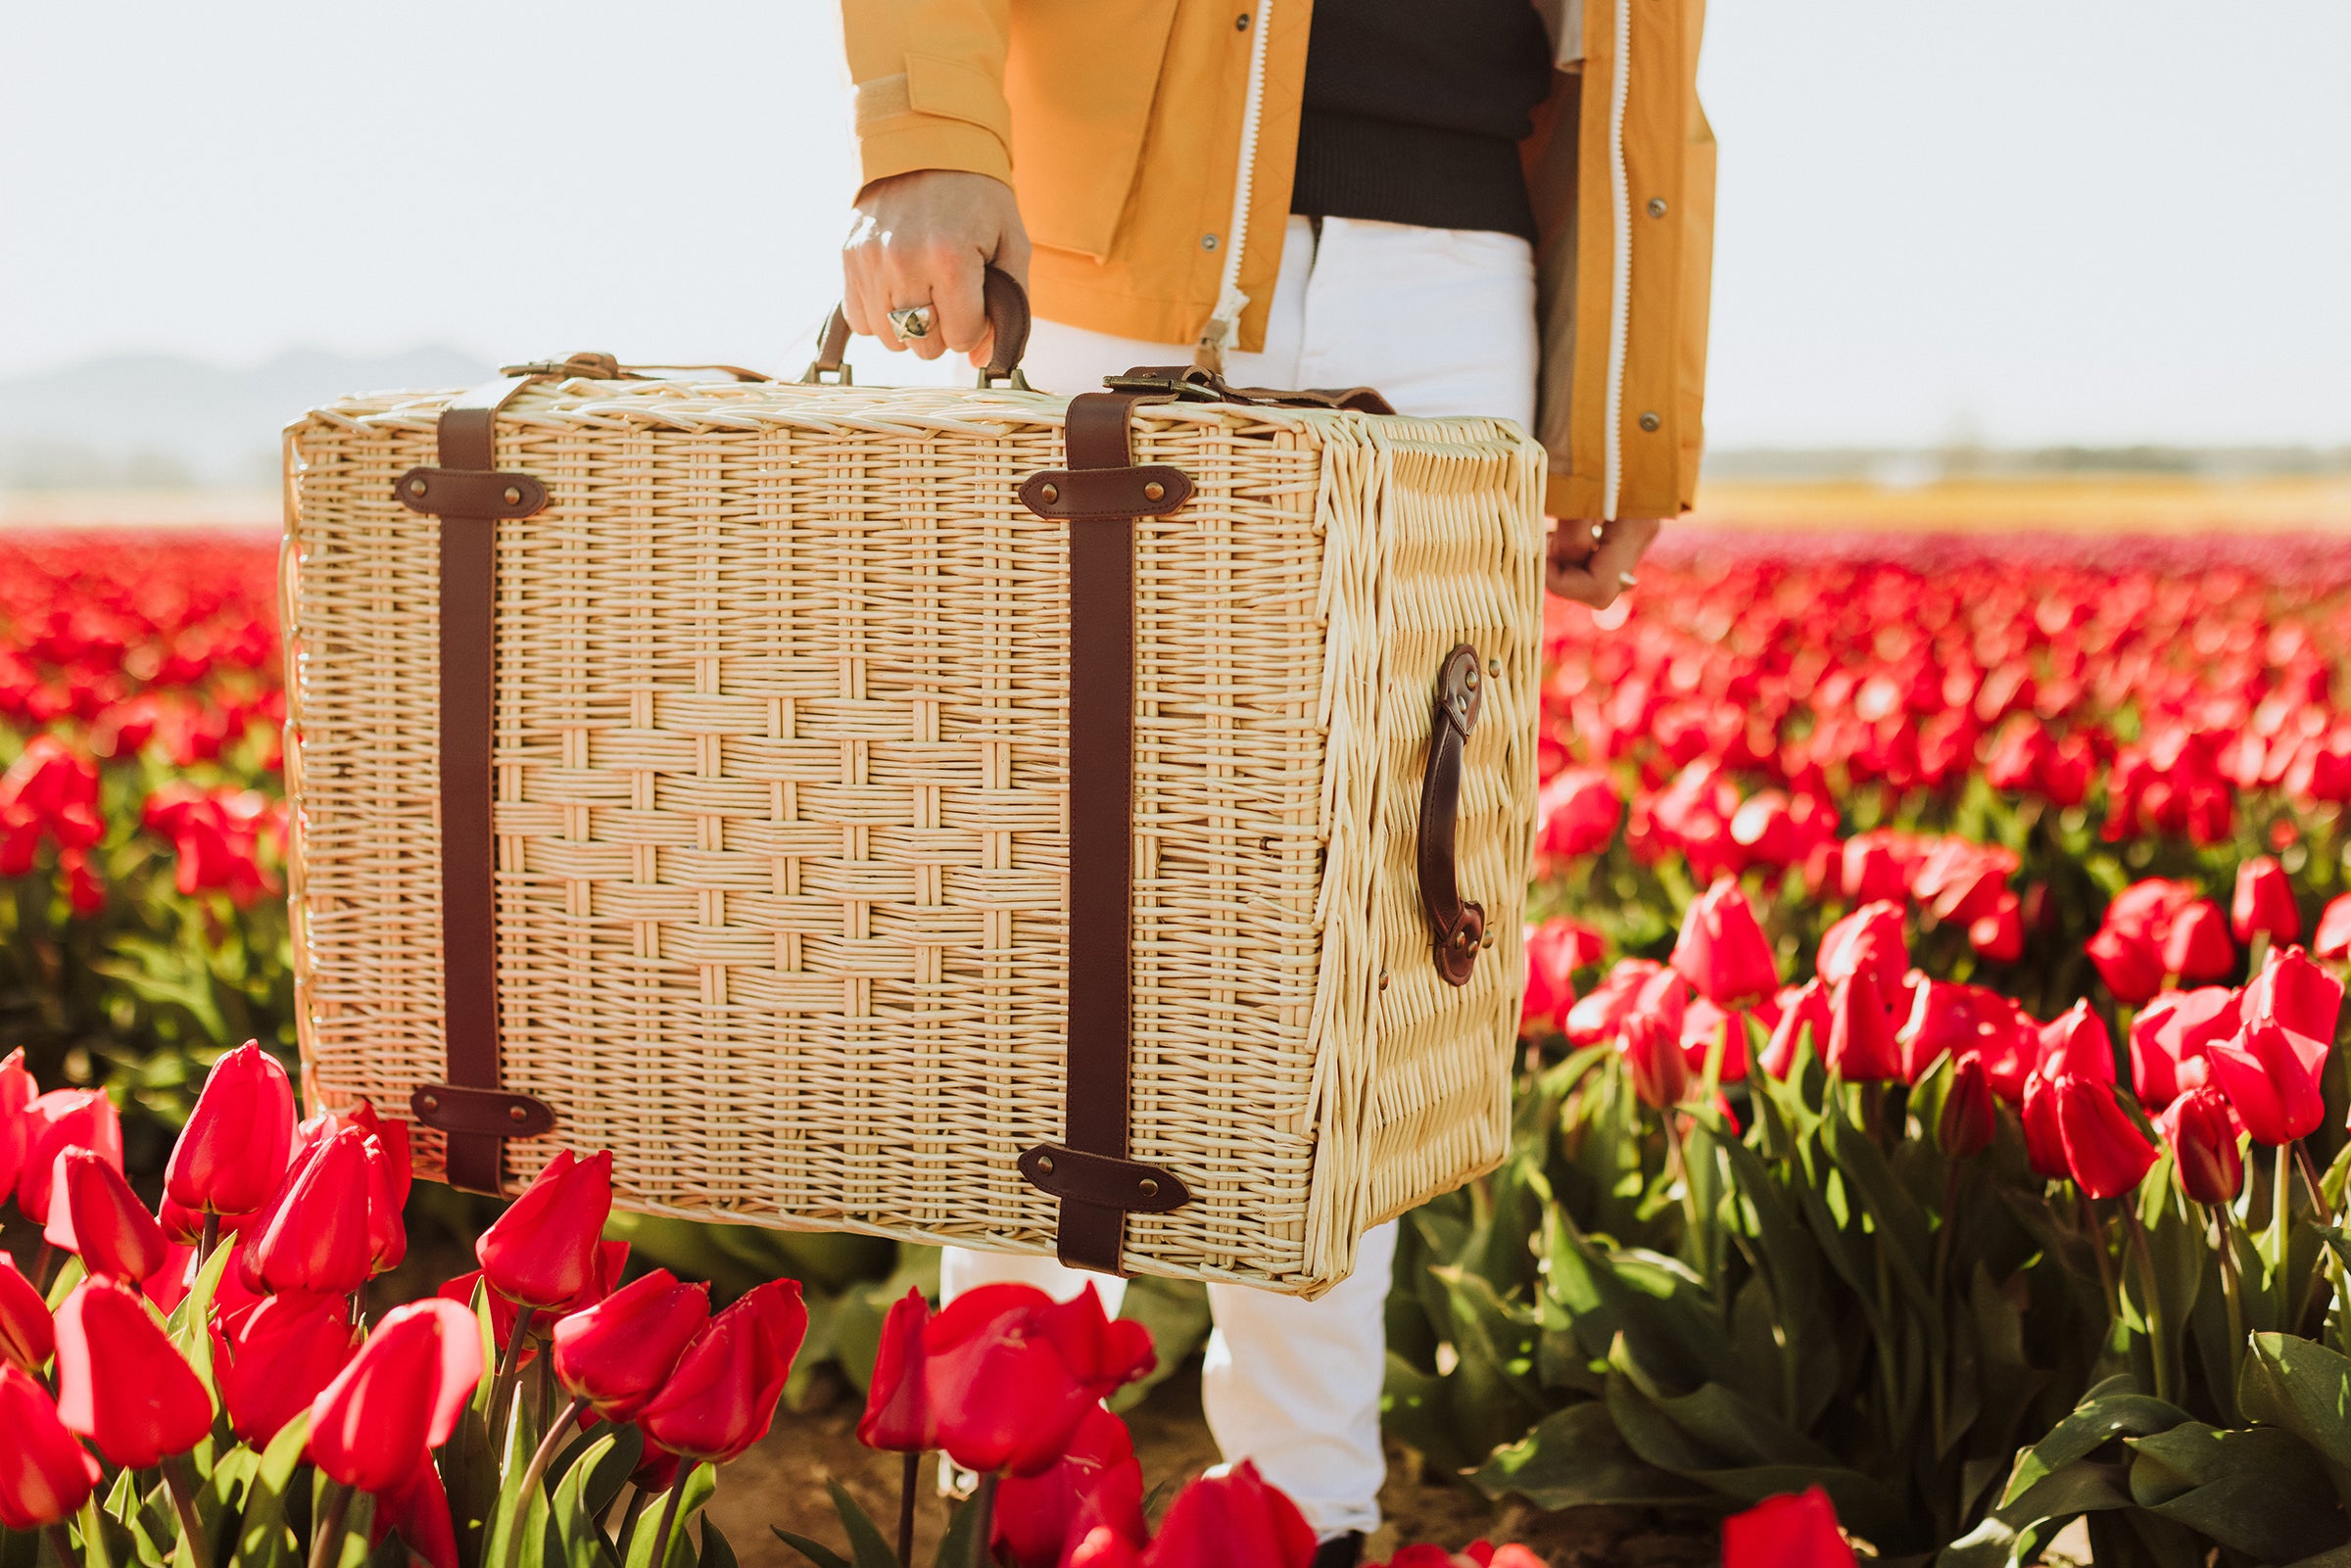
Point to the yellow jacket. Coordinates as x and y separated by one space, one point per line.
1121 126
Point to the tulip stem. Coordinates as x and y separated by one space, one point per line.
47 1273
536 1472
509 1367
61 1542
326 1540
638 1497
181 1479
2281 1212
210 1240
2233 1295
984 1500
669 1523
2158 1341
908 1478
2310 1175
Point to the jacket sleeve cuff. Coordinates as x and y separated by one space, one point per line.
936 113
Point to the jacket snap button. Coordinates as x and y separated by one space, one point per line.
1657 207
1051 492
1208 242
1155 490
1650 421
1240 24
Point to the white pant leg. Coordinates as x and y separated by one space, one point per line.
962 1267
1442 322
1295 1386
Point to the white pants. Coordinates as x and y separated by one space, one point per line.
1443 322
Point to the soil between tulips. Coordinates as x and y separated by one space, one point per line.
782 1482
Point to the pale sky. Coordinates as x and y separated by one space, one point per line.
2032 220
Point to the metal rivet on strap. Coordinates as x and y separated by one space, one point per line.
1471 678
1384 979
1045 1165
513 495
1051 492
1155 490
1486 940
416 487
431 1102
1147 1187
515 1113
1494 668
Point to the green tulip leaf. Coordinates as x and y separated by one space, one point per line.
1415 1408
2304 1389
2114 1408
816 1551
868 1546
21 1548
958 1545
2259 1491
264 1538
190 1324
1573 1457
68 1275
694 1489
2332 1557
572 1511
717 1551
471 1478
515 1517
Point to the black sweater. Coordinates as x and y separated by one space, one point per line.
1413 111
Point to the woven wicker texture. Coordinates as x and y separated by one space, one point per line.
781 754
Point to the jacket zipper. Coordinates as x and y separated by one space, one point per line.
1225 321
1620 276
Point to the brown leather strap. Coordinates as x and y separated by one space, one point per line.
1460 926
1089 1169
1000 295
469 496
1195 384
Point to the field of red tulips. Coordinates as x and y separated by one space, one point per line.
1932 1118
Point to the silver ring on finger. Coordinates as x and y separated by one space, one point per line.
1627 580
1600 531
911 322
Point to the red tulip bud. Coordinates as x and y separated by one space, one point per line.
1797 1530
1009 1372
2203 1137
1653 1060
2105 1153
235 1150
61 1120
2173 1031
1861 1043
2197 946
319 1237
48 1476
618 1353
1869 938
92 1212
2271 1076
1999 935
1229 1520
897 1415
419 1508
121 1383
2263 902
271 1362
28 1338
2333 943
17 1091
541 1251
1967 1122
400 1397
2295 993
1721 949
2075 1045
2131 965
1098 1483
1804 1016
722 1396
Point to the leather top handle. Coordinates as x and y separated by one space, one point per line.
1007 306
1460 926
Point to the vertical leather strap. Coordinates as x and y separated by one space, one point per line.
469 497
1098 1186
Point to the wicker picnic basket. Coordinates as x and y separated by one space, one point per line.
690 768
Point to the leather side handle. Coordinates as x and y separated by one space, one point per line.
1460 926
1007 306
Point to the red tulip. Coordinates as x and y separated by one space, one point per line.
2075 1045
2044 1139
1870 872
2105 1150
2197 946
898 1410
185 1224
233 1153
2263 902
27 1337
1096 1485
1653 1061
93 1212
2130 966
2271 1076
170 1285
2000 933
2175 1029
2295 993
1554 951
1576 812
2202 1133
317 1238
722 1396
541 1251
1710 1034
1946 1018
657 1470
418 1509
1861 1045
1797 1530
1968 1119
1231 1521
17 1091
61 1120
2333 943
272 1360
50 1476
121 1382
1633 985
1721 949
1009 1372
1870 937
1804 1015
617 1353
399 1396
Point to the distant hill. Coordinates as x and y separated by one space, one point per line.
165 422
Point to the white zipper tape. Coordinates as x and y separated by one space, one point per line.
1620 277
1225 321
